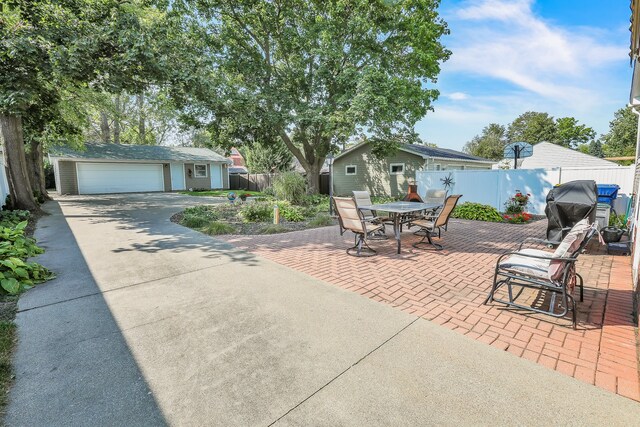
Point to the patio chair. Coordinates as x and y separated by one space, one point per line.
435 195
539 269
363 198
352 219
437 221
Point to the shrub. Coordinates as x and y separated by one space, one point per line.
274 229
290 186
321 221
269 191
199 216
194 221
216 227
256 212
290 212
477 212
12 218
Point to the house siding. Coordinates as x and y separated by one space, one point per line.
373 174
68 177
225 176
430 165
192 182
166 175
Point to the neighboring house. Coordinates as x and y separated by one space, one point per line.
120 168
238 165
358 169
551 156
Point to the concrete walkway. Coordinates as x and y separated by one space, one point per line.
151 323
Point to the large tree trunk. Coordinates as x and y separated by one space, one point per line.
35 165
105 132
141 126
116 121
313 178
14 155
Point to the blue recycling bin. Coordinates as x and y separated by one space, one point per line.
607 193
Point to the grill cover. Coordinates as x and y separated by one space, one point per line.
569 203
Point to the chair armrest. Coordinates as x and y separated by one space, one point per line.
563 259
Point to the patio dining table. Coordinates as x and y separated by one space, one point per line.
398 211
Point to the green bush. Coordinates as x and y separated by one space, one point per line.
321 220
199 216
617 220
216 227
256 212
12 218
290 186
291 213
477 212
194 221
16 274
274 229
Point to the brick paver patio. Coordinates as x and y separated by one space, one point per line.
449 287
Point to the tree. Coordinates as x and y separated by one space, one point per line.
48 45
532 127
261 158
570 134
315 73
623 131
490 144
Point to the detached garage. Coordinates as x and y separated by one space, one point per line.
119 168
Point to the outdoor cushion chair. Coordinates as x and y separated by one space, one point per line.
435 195
430 223
363 198
352 219
539 269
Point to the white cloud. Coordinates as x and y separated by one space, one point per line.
457 96
505 40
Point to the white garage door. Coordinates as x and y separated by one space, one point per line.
96 178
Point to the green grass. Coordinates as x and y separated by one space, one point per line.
217 227
222 193
7 344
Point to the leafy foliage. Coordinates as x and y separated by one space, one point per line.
290 186
621 138
17 274
532 127
313 73
517 204
199 216
256 211
570 134
291 212
517 218
490 144
477 212
261 158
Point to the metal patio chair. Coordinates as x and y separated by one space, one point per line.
352 219
539 269
437 221
363 198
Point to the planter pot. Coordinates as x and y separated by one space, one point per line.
611 234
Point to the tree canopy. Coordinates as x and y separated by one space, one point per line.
623 131
489 144
315 73
532 127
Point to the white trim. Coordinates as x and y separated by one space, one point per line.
391 172
351 166
206 170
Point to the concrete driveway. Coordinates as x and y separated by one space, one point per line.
150 323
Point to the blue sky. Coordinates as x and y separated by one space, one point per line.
564 57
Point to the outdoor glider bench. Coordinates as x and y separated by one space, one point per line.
539 269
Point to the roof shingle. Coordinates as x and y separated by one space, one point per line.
138 152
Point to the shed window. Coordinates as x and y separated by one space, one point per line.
200 171
437 167
396 168
350 170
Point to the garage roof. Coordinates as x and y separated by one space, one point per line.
137 152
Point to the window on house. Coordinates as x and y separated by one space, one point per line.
200 171
350 170
437 167
396 168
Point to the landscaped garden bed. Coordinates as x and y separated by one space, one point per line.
514 212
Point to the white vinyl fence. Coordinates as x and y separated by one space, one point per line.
495 187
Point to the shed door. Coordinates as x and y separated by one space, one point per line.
216 175
177 176
96 178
